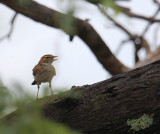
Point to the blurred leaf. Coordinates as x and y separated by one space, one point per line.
28 119
5 99
111 4
67 23
106 3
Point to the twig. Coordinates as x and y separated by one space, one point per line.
114 21
156 35
138 41
129 13
122 0
157 2
121 45
8 35
151 22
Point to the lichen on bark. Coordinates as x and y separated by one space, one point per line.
143 122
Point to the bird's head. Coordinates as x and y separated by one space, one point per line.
48 58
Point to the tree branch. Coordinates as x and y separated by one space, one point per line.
129 13
84 30
150 23
114 106
152 57
157 2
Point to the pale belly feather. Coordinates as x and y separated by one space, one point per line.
46 75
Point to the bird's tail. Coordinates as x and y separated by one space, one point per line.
34 83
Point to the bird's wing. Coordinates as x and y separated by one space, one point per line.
37 69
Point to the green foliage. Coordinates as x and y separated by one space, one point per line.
106 3
111 4
28 118
67 23
141 123
5 99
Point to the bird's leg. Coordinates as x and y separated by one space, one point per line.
50 88
37 91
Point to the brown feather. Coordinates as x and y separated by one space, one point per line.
37 69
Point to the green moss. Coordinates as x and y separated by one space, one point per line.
60 95
24 2
143 122
101 99
98 101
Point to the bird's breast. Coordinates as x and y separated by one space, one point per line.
46 74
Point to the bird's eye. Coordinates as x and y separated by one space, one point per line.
48 57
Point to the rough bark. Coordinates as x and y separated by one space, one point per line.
105 107
83 30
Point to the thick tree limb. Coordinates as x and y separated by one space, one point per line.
84 30
105 107
108 106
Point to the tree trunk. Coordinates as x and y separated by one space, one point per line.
125 103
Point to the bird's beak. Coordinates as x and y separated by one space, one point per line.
55 57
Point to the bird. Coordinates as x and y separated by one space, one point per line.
44 71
